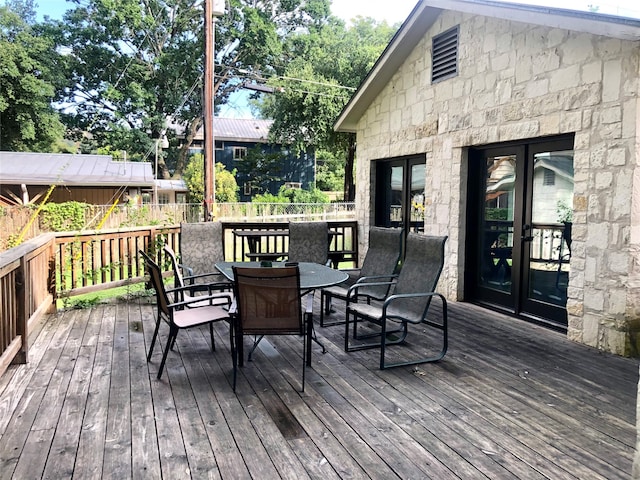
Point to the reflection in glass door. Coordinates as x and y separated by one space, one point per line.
496 260
548 230
400 185
519 231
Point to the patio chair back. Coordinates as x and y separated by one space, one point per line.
381 259
268 302
201 246
420 272
309 242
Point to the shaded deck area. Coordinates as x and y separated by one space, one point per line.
510 400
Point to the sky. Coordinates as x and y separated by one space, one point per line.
397 10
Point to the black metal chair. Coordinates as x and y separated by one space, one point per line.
409 302
175 315
268 302
380 265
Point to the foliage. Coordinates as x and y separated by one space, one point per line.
226 185
29 123
225 181
329 171
496 214
264 168
326 66
61 217
565 212
292 195
135 67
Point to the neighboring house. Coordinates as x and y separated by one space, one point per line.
171 191
514 130
94 179
234 138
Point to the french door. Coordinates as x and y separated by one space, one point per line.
519 231
399 188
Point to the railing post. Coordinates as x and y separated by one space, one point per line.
22 296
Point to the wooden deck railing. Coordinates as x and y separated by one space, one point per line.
343 246
91 261
26 292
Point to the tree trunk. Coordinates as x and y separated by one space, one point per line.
349 185
183 155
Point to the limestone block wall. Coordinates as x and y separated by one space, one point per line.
520 81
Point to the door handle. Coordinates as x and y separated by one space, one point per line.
525 237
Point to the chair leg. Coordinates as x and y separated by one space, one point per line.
445 341
153 339
234 352
213 342
173 333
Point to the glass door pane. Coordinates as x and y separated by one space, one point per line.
550 227
496 259
418 177
397 188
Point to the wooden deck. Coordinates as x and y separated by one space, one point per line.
510 400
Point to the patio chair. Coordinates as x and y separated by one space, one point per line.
176 315
200 249
380 265
187 293
408 303
309 242
268 302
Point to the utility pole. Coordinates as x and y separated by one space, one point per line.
209 142
212 9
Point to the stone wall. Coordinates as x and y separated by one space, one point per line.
519 81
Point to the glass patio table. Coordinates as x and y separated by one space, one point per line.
312 276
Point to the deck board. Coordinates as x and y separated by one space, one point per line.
510 400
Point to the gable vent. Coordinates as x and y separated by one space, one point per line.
444 52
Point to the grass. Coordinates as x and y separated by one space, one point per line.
104 296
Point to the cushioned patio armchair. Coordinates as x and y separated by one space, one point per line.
268 302
176 315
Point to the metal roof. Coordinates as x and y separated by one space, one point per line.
172 185
234 129
425 14
67 169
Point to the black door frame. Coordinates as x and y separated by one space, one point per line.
515 302
382 207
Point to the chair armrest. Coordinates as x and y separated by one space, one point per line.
378 278
400 296
191 278
203 298
356 286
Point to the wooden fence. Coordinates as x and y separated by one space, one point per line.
26 292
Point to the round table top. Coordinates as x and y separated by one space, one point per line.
312 275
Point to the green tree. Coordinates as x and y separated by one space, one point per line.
326 66
226 187
329 171
27 120
135 67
